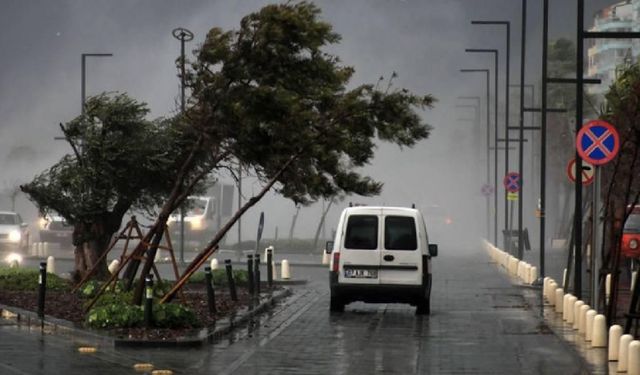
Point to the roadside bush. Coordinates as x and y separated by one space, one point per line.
174 315
115 315
22 279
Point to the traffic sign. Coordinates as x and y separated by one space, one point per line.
512 182
587 174
512 196
487 190
597 142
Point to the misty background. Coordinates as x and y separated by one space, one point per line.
422 40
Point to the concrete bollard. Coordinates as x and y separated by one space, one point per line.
607 287
113 266
325 258
45 248
34 249
51 264
564 305
552 292
588 324
533 274
633 363
214 264
545 287
571 302
285 272
615 332
599 334
583 318
275 271
559 297
623 352
576 314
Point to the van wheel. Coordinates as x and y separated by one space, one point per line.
336 305
423 306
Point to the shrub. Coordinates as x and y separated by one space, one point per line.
22 279
115 315
173 315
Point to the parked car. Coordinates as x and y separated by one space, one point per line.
14 232
55 229
381 255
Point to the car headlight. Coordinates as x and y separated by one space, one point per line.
14 259
196 224
633 244
14 236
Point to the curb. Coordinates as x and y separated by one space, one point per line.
199 338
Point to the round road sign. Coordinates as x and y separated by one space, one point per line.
512 182
597 142
487 190
587 174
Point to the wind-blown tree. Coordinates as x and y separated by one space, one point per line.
120 161
620 178
270 96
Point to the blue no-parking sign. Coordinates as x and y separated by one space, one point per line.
597 142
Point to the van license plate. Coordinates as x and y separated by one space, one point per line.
361 273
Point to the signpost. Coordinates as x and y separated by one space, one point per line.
587 175
512 183
598 143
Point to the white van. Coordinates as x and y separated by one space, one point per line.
381 255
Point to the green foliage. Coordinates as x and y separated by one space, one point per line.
22 279
115 315
173 315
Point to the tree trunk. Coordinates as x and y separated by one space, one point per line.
322 219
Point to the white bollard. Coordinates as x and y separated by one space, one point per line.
325 258
552 292
583 318
576 314
214 264
615 332
559 297
34 249
113 266
633 363
545 287
588 324
275 271
533 274
599 334
623 352
564 305
45 248
607 289
285 271
51 264
571 302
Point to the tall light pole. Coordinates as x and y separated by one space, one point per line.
183 35
83 82
521 137
507 25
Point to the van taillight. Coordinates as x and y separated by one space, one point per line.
336 261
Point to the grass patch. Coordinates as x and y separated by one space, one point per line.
22 279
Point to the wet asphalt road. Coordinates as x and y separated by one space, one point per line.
480 324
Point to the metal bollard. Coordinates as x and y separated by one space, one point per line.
250 273
256 263
230 280
42 288
211 296
270 267
148 300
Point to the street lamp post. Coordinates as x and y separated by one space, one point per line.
183 35
507 24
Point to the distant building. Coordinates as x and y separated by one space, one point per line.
605 55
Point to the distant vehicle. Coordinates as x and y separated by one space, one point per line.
631 235
14 232
203 217
56 229
381 255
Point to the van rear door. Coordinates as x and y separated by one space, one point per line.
400 258
360 251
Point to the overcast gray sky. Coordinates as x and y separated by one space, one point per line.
423 40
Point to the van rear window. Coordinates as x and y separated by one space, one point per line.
362 232
400 233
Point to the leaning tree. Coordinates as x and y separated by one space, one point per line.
119 161
271 97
